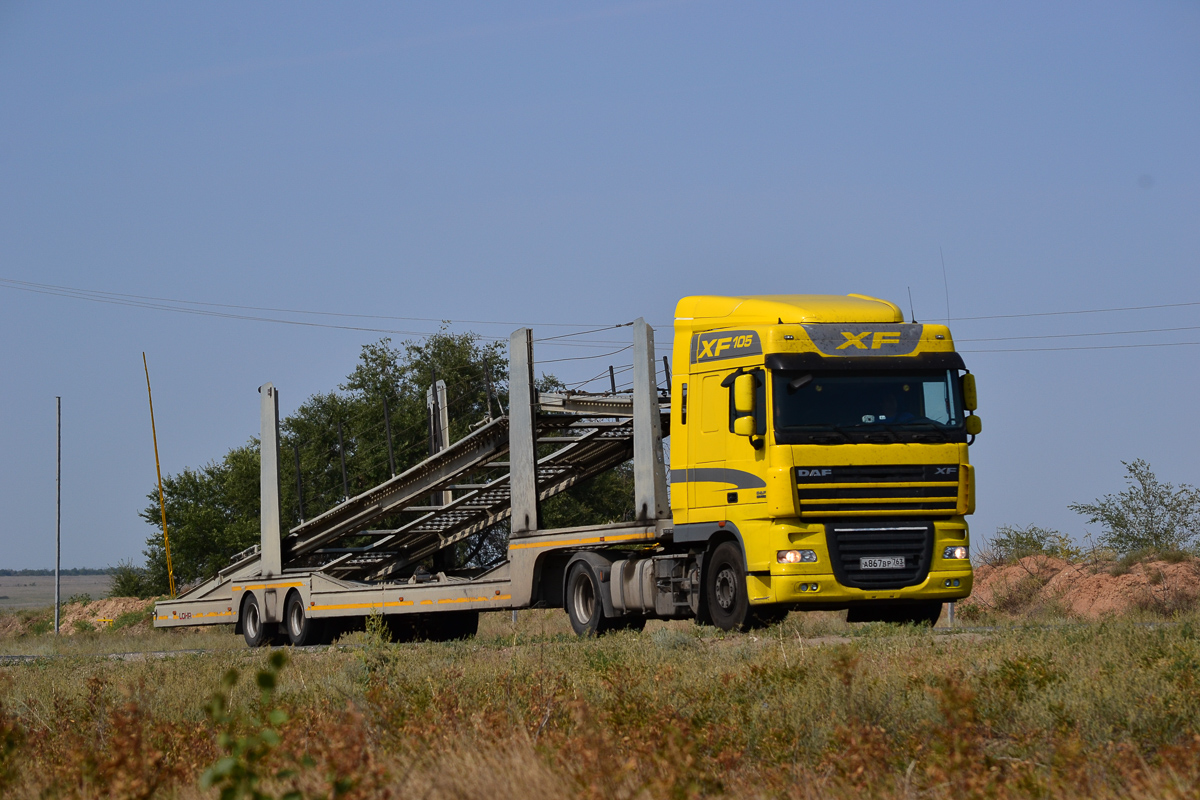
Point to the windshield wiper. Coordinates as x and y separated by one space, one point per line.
930 431
829 430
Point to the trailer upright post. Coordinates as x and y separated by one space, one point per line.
522 434
272 562
649 475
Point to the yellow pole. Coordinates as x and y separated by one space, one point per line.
162 503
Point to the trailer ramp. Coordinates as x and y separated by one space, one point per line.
578 437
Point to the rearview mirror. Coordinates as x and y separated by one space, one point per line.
744 426
743 394
970 399
974 425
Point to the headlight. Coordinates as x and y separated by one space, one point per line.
796 556
956 552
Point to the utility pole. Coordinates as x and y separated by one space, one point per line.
162 501
58 522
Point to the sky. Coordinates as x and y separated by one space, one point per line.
565 164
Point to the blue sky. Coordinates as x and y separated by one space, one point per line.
585 163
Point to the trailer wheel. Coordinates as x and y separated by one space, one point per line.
256 632
301 629
725 588
584 605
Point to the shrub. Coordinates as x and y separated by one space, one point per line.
130 581
1148 515
81 599
1020 595
246 739
1012 543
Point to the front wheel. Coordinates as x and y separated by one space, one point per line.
584 605
725 588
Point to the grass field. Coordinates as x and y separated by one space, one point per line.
38 591
810 708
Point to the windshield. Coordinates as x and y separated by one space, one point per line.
830 407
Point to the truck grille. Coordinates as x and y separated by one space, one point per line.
878 490
910 540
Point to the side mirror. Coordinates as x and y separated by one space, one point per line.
974 425
743 394
970 398
744 426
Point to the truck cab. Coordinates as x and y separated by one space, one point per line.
823 442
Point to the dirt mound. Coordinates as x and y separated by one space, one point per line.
99 613
1089 591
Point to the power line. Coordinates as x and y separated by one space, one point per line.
1076 335
88 294
209 309
585 358
581 333
1091 347
1082 311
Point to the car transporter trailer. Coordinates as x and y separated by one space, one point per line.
331 572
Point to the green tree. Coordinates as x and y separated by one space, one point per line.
1148 515
212 514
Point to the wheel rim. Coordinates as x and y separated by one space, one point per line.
726 587
296 620
584 599
252 621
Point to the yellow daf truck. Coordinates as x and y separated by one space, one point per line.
819 451
818 460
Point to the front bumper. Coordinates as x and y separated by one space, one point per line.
829 593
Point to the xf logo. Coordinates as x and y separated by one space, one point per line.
945 471
878 339
712 348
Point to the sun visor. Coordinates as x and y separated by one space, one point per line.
816 361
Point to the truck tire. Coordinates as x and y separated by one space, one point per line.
256 632
302 630
725 588
583 602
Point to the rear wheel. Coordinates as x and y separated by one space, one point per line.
725 588
256 632
302 629
584 606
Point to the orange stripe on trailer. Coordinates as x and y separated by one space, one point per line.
625 537
265 586
392 603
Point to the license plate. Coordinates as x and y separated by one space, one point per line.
881 562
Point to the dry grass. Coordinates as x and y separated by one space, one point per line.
810 708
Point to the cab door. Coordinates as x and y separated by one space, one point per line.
707 440
746 456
